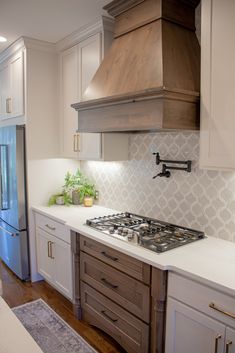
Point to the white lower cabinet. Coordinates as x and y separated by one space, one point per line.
54 259
189 331
192 325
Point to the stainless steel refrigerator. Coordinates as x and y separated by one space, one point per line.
14 249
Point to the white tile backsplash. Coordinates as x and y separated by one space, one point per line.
202 199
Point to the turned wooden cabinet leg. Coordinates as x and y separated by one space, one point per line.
75 248
158 310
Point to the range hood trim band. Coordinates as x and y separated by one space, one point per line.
193 97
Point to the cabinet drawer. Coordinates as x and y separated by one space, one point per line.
124 290
122 262
130 332
200 297
53 227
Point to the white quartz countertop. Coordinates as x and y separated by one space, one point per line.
210 261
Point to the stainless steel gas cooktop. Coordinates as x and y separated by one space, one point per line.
150 233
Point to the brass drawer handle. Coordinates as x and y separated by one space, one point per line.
108 284
51 243
109 256
50 227
229 343
213 306
216 342
108 317
76 143
8 106
48 249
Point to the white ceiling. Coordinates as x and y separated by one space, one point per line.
49 20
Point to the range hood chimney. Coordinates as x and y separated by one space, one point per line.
150 77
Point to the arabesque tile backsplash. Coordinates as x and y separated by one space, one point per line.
202 199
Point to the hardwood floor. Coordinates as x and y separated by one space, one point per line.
16 292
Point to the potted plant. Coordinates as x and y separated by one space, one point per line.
73 183
87 193
62 198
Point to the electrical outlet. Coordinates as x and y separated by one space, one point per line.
96 195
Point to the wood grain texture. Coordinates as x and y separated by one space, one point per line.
116 259
100 311
158 310
129 293
27 291
75 249
176 11
155 49
162 111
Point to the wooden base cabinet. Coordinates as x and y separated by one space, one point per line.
198 318
120 295
54 259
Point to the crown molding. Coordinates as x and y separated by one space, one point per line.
28 43
116 7
40 45
103 24
12 49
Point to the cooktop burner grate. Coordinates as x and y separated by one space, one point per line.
150 233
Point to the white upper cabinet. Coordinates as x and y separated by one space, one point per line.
77 68
217 85
17 84
4 89
68 94
89 59
12 87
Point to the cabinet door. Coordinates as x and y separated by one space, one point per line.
4 90
61 252
230 341
187 330
17 85
45 263
217 85
69 95
89 59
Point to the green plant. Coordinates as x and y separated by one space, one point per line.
66 198
73 181
86 189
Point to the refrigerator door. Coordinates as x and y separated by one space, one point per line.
14 250
12 177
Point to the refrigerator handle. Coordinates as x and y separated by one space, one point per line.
9 233
4 178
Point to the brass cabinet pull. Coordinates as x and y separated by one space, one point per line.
51 256
229 343
216 342
8 105
213 306
108 284
78 140
48 248
109 256
108 317
50 227
76 143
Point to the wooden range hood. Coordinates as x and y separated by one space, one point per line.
150 77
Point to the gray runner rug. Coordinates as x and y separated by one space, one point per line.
49 330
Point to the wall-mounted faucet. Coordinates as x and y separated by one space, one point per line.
165 168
